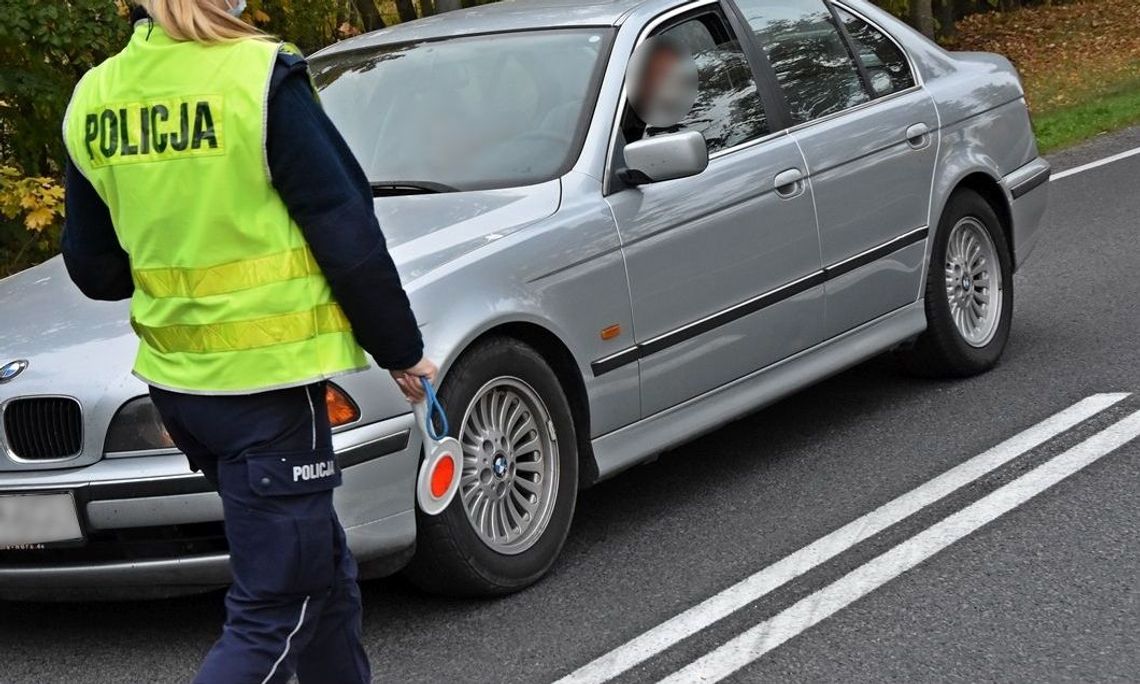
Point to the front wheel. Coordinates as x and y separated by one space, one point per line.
969 293
519 482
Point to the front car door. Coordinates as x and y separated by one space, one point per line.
723 266
868 132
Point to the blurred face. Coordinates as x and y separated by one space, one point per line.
662 80
658 68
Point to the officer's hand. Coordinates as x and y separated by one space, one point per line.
409 379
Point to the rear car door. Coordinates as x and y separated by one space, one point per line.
723 266
868 132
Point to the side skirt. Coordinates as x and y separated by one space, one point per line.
628 446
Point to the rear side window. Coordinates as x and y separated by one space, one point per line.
886 65
812 63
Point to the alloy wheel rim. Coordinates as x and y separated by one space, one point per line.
510 465
973 282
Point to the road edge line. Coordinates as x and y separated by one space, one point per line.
722 604
755 642
1096 164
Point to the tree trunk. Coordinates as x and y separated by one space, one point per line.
406 10
947 18
922 16
446 5
427 8
369 15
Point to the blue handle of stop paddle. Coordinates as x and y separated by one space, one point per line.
434 408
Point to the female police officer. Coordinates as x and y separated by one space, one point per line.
207 185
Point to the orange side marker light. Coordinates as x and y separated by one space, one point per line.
611 332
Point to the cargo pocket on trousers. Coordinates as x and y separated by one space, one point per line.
291 516
292 473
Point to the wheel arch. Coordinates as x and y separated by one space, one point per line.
555 352
992 191
983 182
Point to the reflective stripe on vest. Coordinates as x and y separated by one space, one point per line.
232 277
242 335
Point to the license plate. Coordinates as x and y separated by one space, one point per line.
29 521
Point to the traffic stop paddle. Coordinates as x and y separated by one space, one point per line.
441 468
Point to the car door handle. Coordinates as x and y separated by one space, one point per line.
789 183
918 135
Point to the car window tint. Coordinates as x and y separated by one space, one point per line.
728 110
886 65
809 56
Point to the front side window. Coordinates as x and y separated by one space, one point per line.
728 110
489 111
886 65
808 54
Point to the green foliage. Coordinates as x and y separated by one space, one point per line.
309 24
45 46
30 209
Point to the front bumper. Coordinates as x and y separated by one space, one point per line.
153 528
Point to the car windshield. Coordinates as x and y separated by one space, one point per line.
488 111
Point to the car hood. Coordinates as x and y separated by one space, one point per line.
425 232
64 334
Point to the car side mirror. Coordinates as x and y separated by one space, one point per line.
665 157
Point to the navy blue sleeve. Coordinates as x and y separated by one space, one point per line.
329 197
95 260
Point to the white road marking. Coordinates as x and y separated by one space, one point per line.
728 601
764 637
1097 164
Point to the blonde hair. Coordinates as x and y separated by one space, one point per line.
202 21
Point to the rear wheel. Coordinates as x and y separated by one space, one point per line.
519 482
969 293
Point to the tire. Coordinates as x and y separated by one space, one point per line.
958 349
452 557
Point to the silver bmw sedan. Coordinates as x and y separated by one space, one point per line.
596 287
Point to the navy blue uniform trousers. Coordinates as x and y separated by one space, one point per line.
294 607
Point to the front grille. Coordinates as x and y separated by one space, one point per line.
44 428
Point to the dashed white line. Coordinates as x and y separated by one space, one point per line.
719 606
1096 164
811 610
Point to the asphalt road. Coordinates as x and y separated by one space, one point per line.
1049 591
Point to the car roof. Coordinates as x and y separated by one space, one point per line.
507 15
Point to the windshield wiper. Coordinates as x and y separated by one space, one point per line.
408 187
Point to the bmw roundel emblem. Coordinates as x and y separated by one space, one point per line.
11 370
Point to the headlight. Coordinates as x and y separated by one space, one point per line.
137 427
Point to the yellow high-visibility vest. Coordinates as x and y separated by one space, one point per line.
228 298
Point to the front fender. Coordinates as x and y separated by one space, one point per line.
565 274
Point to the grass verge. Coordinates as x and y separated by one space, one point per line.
1118 107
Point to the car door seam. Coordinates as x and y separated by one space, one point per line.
930 201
